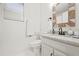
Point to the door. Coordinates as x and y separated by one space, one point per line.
46 50
58 53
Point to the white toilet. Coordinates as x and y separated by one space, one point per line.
35 44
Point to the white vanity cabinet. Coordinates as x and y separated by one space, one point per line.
46 50
49 51
55 46
58 53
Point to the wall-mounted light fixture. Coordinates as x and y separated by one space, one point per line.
49 19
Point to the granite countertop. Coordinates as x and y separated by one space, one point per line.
61 38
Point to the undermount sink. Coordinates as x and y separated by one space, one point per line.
72 36
77 37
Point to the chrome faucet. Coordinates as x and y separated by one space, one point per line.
60 31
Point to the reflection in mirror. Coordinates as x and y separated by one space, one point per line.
64 14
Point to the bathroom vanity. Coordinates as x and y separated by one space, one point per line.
59 45
62 45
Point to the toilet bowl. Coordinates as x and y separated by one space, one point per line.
34 45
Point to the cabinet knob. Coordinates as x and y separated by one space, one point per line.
51 54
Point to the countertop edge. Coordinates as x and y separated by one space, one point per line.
69 42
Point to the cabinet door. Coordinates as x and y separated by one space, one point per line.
58 53
46 50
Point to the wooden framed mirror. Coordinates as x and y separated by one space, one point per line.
71 15
64 14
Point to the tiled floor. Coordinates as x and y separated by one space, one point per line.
27 52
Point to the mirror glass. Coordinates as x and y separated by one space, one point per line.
65 14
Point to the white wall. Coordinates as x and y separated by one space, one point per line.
12 35
32 11
37 15
46 12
